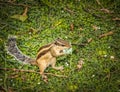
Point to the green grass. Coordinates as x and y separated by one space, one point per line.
53 19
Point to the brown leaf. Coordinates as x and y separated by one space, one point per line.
106 10
98 2
95 27
81 28
71 27
106 34
25 11
69 10
118 19
80 64
89 40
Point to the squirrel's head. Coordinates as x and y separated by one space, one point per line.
59 46
62 43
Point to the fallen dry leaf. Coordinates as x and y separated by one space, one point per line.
106 34
81 28
80 64
105 10
71 27
89 40
95 27
116 19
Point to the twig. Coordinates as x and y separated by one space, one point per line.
98 2
18 70
70 11
63 76
2 89
11 3
87 10
9 25
116 19
106 34
3 26
106 10
91 39
31 71
103 9
85 43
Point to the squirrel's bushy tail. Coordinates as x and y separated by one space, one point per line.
14 51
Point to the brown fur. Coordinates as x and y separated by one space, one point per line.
44 47
47 55
42 53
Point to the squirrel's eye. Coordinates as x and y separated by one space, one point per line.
62 45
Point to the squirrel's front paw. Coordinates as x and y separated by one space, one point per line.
61 68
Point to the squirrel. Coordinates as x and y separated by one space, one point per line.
46 55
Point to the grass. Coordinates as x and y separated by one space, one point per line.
76 22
